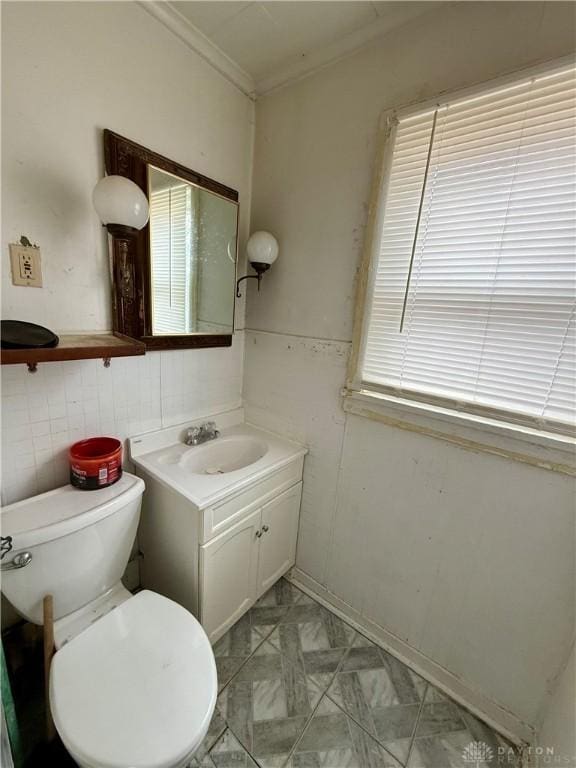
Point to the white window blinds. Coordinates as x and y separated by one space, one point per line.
474 280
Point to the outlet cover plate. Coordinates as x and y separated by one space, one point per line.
26 265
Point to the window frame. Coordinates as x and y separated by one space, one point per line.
417 405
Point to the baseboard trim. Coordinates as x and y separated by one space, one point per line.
494 715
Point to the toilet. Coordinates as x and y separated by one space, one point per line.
133 681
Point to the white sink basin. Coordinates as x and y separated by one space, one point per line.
223 455
205 474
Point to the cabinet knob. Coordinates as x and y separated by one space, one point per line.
265 528
258 534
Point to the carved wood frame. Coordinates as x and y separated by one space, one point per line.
131 299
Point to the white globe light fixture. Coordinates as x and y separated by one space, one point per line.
121 205
262 250
123 209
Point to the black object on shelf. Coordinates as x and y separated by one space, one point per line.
16 334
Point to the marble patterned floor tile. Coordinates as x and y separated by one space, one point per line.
235 648
226 753
284 593
381 694
274 605
300 688
313 639
448 736
269 702
334 740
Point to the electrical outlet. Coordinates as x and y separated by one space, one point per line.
26 265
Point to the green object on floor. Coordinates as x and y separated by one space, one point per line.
9 716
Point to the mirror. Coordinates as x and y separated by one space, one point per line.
192 256
174 280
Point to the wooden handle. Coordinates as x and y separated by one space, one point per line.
48 609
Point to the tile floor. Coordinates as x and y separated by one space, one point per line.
300 688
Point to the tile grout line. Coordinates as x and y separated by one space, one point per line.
293 666
363 727
264 639
282 657
260 644
377 738
417 724
219 692
324 692
325 695
320 700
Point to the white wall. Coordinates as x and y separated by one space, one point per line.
558 731
466 557
89 66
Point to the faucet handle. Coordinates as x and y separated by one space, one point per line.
201 433
212 431
191 436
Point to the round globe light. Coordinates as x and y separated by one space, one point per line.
262 247
119 200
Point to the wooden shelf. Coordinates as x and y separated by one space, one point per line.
76 347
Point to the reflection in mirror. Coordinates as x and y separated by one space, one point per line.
193 235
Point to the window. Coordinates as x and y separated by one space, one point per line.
472 291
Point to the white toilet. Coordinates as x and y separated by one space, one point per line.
133 682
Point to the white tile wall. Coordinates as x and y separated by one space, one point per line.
43 413
197 382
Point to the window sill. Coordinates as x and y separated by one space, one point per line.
546 450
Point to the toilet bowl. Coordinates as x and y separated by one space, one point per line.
133 682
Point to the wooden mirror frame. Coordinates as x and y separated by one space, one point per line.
131 299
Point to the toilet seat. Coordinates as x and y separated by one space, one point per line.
137 689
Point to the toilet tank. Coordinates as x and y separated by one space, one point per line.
79 542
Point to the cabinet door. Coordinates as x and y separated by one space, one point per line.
278 541
228 573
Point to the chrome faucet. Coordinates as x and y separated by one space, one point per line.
201 433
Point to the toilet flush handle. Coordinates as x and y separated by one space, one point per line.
21 560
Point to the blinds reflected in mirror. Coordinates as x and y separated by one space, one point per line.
477 252
193 236
174 244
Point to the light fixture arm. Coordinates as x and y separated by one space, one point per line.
260 268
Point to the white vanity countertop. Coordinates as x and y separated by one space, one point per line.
164 455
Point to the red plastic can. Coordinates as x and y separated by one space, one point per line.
95 463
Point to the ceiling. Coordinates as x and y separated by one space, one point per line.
270 43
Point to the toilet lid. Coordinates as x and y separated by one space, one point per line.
137 688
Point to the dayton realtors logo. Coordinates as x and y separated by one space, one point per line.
477 754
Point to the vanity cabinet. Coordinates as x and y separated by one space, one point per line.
229 575
241 564
219 560
278 542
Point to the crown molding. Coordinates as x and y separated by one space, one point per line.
346 46
197 41
164 12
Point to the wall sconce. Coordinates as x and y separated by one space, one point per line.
262 250
123 209
121 205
